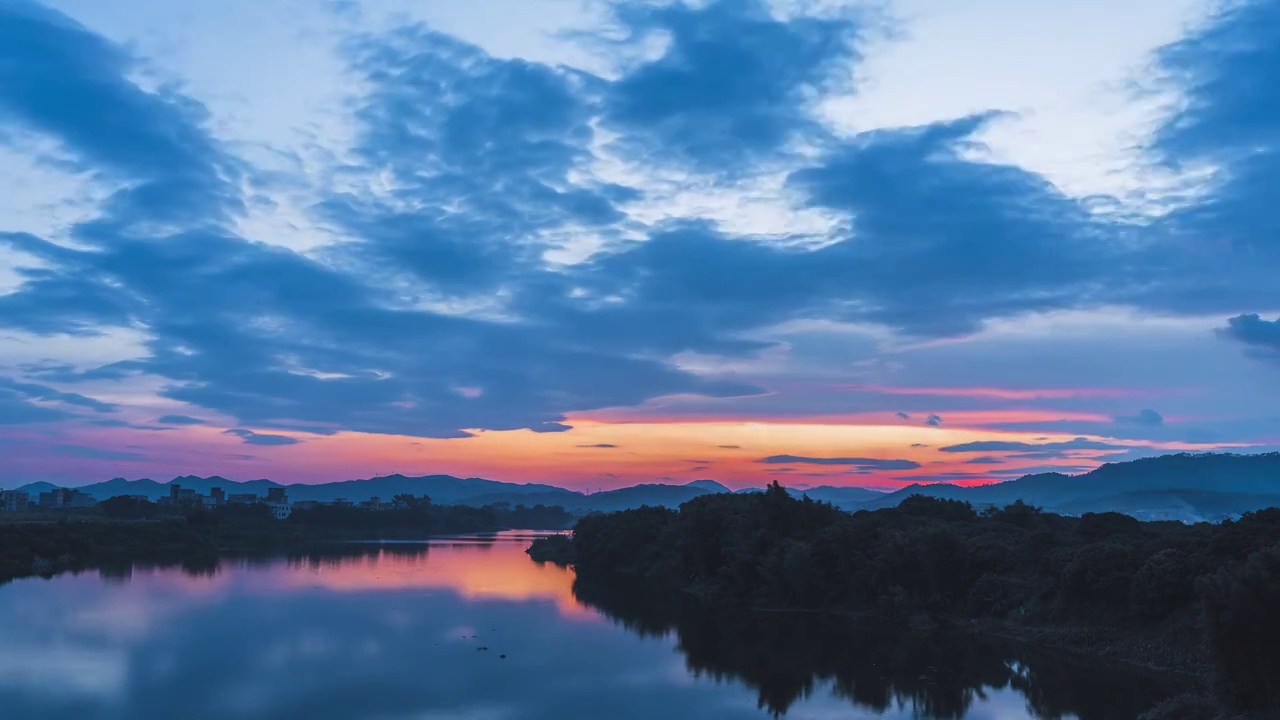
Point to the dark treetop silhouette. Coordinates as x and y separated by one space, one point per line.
1199 597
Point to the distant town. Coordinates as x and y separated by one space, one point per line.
277 499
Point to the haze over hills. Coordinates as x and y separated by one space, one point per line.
1184 487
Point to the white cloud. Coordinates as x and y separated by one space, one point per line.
1065 68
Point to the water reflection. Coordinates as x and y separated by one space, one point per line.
788 657
397 631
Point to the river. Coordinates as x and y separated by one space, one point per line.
471 628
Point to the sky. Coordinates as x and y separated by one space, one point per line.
602 242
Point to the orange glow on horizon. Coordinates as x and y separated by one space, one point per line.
616 448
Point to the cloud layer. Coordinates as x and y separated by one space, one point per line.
505 244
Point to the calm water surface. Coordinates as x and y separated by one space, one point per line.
400 632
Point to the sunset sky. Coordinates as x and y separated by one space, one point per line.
595 242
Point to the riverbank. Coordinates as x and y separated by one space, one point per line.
1150 648
878 661
86 541
1191 599
1159 649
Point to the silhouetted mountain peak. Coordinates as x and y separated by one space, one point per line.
709 485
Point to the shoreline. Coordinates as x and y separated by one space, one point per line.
1097 642
48 549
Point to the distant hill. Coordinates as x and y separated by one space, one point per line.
35 488
1192 505
637 495
608 500
443 489
155 490
1183 486
709 486
846 498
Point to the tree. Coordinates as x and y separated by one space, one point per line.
410 501
1244 630
128 508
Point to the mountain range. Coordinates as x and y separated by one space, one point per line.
1178 487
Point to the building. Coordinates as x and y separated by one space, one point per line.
55 498
14 501
372 503
277 496
59 498
242 499
218 495
180 496
280 511
307 505
81 500
342 502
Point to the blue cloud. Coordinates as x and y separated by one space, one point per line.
277 339
479 148
254 438
92 453
40 392
1261 336
1147 417
16 409
984 460
488 166
914 204
1032 450
733 85
179 420
939 242
58 78
857 463
1222 248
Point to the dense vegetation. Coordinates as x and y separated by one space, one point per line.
556 549
878 667
123 529
1163 593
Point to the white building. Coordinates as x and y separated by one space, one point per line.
14 501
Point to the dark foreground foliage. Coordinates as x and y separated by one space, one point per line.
1165 594
128 530
557 549
876 667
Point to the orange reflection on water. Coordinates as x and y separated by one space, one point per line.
475 569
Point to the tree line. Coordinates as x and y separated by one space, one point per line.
874 666
125 529
1163 593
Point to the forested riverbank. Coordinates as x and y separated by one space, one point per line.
126 531
1198 598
